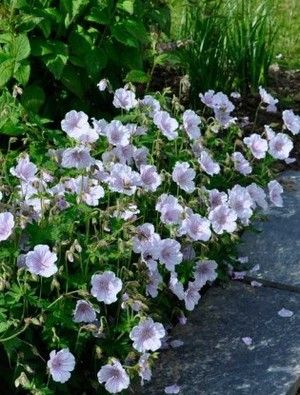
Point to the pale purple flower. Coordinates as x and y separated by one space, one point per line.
184 176
105 287
221 105
25 170
269 132
140 156
207 98
247 340
257 145
192 296
88 189
6 225
268 99
205 271
196 227
99 126
241 164
235 95
220 102
172 389
151 180
280 146
128 213
216 198
117 133
240 201
169 253
275 191
103 84
154 280
144 368
78 157
147 335
166 124
41 261
176 286
84 312
258 196
188 252
291 121
75 124
191 122
285 313
114 376
60 364
223 219
125 99
169 208
151 104
124 153
123 179
208 165
145 235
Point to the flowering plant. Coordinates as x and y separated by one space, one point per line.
110 236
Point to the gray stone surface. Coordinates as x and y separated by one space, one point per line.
215 361
277 249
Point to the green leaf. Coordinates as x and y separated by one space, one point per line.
33 98
95 60
129 32
72 80
4 326
126 5
28 22
6 70
22 73
101 15
56 63
20 47
72 9
137 76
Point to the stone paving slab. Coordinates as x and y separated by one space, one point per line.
277 248
215 361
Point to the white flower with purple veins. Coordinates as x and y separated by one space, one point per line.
176 286
172 389
223 219
105 287
76 125
258 196
207 98
114 376
192 296
208 165
125 99
241 164
205 271
60 364
88 189
275 191
123 179
280 146
124 153
78 157
145 235
84 312
240 201
191 122
140 156
152 105
99 126
196 227
169 253
154 280
169 208
147 335
117 133
257 145
41 261
268 99
184 176
291 121
151 180
144 368
216 198
222 107
25 170
166 124
6 225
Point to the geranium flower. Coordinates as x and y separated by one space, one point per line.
84 312
169 208
191 122
151 104
196 227
145 235
75 124
169 253
205 271
216 198
192 296
154 280
147 335
78 157
88 189
144 368
123 179
241 164
114 376
275 191
240 201
125 99
208 165
140 156
117 133
291 121
103 84
41 261
280 146
25 170
223 219
258 196
268 99
7 224
166 124
183 175
257 145
151 180
105 287
60 365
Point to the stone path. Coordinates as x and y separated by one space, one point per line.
213 359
